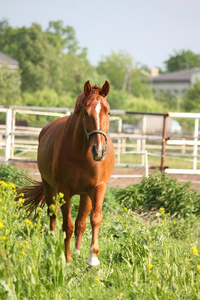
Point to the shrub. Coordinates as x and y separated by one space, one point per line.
12 174
159 190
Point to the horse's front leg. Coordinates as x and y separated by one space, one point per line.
80 224
97 196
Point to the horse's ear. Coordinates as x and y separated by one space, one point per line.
105 89
87 88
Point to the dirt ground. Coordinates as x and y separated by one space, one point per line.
118 178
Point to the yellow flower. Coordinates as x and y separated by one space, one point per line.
3 183
162 210
23 253
150 266
12 185
4 207
1 224
198 267
97 280
61 195
195 251
0 200
21 200
4 237
28 222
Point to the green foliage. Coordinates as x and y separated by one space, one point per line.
115 67
168 100
159 190
150 260
181 60
11 174
9 86
191 98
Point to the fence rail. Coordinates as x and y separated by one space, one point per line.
136 143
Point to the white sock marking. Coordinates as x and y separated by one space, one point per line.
92 259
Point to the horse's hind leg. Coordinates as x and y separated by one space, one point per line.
80 224
67 226
49 194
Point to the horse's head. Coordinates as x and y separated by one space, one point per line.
96 111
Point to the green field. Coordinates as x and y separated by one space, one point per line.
148 247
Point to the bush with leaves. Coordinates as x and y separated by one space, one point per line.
159 190
11 174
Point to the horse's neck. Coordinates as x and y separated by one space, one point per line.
79 139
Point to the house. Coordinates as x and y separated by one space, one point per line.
10 62
176 82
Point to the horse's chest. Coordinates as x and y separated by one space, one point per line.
82 175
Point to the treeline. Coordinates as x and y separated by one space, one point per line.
54 68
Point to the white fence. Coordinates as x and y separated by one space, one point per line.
10 133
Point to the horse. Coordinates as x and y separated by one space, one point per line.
76 157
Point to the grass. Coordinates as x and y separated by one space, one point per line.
151 257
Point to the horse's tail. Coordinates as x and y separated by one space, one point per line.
32 195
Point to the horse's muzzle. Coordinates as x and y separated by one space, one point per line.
98 153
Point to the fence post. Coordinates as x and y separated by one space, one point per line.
144 131
195 147
8 134
163 143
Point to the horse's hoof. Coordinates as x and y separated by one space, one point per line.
93 261
78 252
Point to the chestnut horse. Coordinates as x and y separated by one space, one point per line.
76 156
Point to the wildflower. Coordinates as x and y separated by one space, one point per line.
97 280
21 200
150 267
28 222
0 200
3 183
195 251
4 207
4 237
1 224
25 242
12 186
61 195
23 253
162 210
198 267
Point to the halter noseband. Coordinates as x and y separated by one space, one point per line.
94 131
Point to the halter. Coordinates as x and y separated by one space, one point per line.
94 131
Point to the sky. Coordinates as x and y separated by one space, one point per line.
150 31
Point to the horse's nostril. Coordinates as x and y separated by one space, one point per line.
94 152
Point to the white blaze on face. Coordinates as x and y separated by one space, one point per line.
98 109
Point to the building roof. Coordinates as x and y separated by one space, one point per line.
12 63
183 76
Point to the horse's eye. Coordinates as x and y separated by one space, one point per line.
109 113
85 113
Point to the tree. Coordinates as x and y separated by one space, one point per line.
9 86
115 67
62 38
43 54
190 102
181 60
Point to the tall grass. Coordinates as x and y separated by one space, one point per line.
154 257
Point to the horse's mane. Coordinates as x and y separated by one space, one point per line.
83 101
